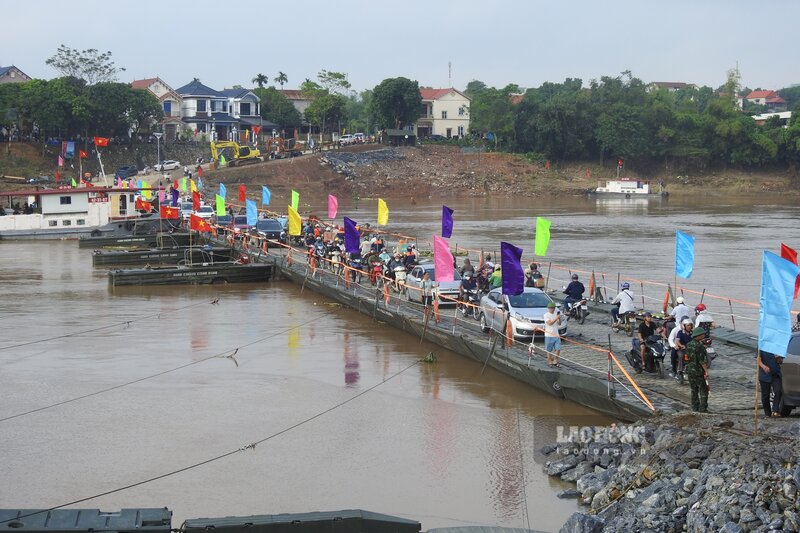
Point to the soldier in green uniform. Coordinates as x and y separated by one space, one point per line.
697 370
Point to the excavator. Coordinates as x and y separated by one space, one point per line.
280 148
236 154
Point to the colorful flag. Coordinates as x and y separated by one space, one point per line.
174 194
74 183
58 176
175 184
383 213
141 205
295 225
444 269
790 254
199 183
200 173
161 195
352 239
192 185
69 153
511 266
242 193
147 193
542 236
251 211
778 278
220 206
196 201
333 206
265 195
101 141
447 222
222 190
166 211
60 161
183 185
295 200
199 224
684 254
222 160
82 154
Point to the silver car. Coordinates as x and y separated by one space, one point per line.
790 371
526 312
169 164
446 291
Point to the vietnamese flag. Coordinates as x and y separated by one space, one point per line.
790 254
141 205
166 211
196 201
82 154
242 193
101 141
198 223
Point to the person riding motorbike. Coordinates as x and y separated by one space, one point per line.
680 310
682 339
488 261
496 279
410 258
466 267
647 329
623 302
534 278
574 292
703 318
468 283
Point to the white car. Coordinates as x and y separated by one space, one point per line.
169 164
346 139
446 291
526 312
205 211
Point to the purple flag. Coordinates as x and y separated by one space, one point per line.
447 222
510 262
174 197
352 240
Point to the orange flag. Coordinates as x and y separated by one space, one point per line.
198 223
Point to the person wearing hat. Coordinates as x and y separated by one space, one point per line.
496 279
680 310
552 341
697 370
647 329
770 380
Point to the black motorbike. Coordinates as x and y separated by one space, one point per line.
578 310
656 350
473 298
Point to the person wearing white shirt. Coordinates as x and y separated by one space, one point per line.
624 300
552 340
681 310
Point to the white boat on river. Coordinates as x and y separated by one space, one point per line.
628 188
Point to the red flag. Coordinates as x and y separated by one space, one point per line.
242 193
141 205
82 154
58 176
198 223
166 211
101 141
196 201
790 254
256 129
620 162
175 185
199 171
547 164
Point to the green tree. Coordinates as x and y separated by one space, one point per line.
325 109
88 65
276 108
144 111
281 79
396 102
260 80
333 82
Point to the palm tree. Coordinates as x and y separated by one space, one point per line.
281 79
260 80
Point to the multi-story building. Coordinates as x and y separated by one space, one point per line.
445 112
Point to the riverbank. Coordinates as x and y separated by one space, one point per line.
682 472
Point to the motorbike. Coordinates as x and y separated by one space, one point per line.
472 298
336 262
399 284
578 310
375 272
320 252
356 266
655 353
627 323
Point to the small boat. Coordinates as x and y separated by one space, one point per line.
628 188
240 271
162 256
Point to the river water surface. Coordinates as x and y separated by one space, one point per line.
441 443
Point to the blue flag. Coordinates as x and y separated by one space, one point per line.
199 183
511 265
777 291
174 194
684 254
265 195
447 222
352 240
252 212
222 190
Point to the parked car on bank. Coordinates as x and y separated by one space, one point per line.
526 313
126 172
270 228
447 289
169 164
239 223
790 370
205 212
187 208
346 139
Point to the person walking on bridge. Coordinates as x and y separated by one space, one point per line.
697 370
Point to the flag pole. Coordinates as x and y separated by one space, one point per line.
102 171
755 401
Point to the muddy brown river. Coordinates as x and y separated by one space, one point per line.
103 389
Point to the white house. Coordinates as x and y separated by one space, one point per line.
170 100
770 99
445 112
245 107
12 75
206 111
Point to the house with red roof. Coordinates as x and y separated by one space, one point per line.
445 112
769 99
170 102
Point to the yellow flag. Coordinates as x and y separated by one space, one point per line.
295 225
194 185
383 213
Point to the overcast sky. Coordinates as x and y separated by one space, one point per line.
524 42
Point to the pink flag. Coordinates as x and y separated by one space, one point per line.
333 206
119 183
161 195
442 260
60 161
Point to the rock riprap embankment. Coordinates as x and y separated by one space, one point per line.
682 473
